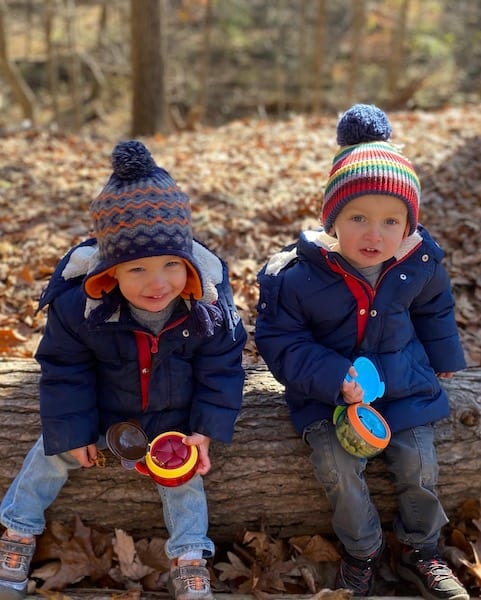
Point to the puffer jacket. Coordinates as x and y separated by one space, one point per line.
95 374
317 314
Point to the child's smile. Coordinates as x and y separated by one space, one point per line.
152 283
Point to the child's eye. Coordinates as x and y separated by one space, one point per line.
136 270
392 221
173 263
357 218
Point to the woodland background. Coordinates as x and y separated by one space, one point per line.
244 118
141 66
239 101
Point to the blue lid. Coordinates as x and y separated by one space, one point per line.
372 422
368 378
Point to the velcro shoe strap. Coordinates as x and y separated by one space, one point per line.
7 545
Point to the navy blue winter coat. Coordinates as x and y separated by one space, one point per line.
317 314
94 375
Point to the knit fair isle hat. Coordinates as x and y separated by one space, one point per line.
368 164
141 212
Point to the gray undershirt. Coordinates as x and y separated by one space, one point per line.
154 321
371 273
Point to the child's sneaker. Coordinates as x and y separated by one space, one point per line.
356 574
190 580
430 574
15 558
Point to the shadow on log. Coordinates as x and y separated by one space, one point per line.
262 480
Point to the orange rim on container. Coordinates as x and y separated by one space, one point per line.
369 425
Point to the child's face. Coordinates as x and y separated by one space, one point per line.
152 283
370 229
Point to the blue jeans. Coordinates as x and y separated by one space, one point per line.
411 459
41 478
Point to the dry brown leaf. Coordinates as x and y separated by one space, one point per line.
9 338
333 595
315 548
130 564
151 552
474 567
266 549
77 559
233 569
50 595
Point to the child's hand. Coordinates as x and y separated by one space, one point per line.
202 442
86 456
351 391
445 375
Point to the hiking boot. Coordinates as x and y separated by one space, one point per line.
357 574
190 580
430 574
15 558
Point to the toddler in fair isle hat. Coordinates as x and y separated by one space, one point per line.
141 212
368 164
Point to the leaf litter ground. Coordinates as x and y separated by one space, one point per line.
253 185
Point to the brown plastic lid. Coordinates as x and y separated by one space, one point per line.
127 441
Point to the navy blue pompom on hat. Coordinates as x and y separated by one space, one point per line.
368 164
363 123
141 212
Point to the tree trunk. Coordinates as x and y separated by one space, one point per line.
395 64
358 36
319 56
19 87
263 479
74 65
149 109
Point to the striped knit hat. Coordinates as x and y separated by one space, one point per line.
141 212
368 164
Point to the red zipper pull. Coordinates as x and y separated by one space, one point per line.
154 346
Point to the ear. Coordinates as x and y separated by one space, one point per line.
406 230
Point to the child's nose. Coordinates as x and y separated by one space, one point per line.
373 231
158 280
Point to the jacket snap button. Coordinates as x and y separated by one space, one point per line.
425 258
403 277
186 333
263 304
362 311
373 313
145 371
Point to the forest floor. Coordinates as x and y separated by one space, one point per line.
253 185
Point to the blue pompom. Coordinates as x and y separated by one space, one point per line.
131 160
363 123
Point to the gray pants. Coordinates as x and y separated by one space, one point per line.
411 459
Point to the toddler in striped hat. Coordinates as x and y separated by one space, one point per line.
369 284
369 165
371 200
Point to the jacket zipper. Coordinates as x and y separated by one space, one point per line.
148 345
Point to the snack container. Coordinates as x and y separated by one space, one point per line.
167 460
361 430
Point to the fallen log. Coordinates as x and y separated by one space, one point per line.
262 480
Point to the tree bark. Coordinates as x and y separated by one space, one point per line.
19 87
262 480
149 108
